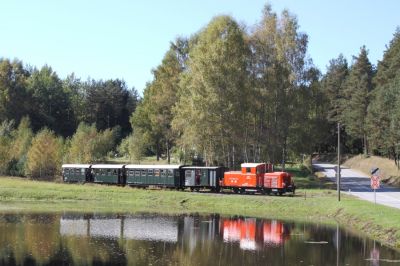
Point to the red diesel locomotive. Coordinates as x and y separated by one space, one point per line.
258 177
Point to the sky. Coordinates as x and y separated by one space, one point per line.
127 39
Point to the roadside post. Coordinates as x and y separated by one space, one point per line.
338 159
375 181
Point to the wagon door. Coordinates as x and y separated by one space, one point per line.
213 178
189 178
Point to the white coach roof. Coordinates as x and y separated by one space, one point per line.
149 166
75 166
202 167
108 166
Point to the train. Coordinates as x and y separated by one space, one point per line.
193 230
253 177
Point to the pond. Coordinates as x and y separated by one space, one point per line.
150 239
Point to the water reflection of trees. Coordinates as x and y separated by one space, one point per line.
177 240
28 238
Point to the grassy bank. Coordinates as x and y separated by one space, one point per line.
388 169
315 204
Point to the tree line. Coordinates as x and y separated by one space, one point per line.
44 118
230 93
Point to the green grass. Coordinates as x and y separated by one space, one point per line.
315 203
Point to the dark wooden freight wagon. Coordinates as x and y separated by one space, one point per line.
197 177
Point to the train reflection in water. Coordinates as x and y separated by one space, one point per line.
249 233
253 234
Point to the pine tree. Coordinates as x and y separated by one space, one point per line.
357 97
333 86
389 68
384 102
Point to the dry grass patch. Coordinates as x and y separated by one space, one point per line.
388 169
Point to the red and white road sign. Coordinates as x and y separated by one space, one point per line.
375 182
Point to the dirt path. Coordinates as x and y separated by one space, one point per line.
358 184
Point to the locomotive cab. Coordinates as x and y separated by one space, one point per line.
251 177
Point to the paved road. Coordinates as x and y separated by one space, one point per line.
358 184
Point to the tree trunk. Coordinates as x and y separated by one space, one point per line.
365 145
284 155
158 151
233 156
168 153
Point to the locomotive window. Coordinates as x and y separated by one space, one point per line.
137 173
248 170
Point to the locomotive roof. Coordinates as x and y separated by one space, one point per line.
75 166
251 164
108 166
149 166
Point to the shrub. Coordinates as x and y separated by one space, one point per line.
44 156
89 145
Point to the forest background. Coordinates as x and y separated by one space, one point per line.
227 94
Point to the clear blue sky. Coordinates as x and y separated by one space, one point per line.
126 39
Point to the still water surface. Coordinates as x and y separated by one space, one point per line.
144 239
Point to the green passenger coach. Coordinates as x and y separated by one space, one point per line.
108 173
79 173
153 175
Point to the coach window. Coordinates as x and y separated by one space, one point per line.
156 172
163 173
137 173
143 172
170 173
150 171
